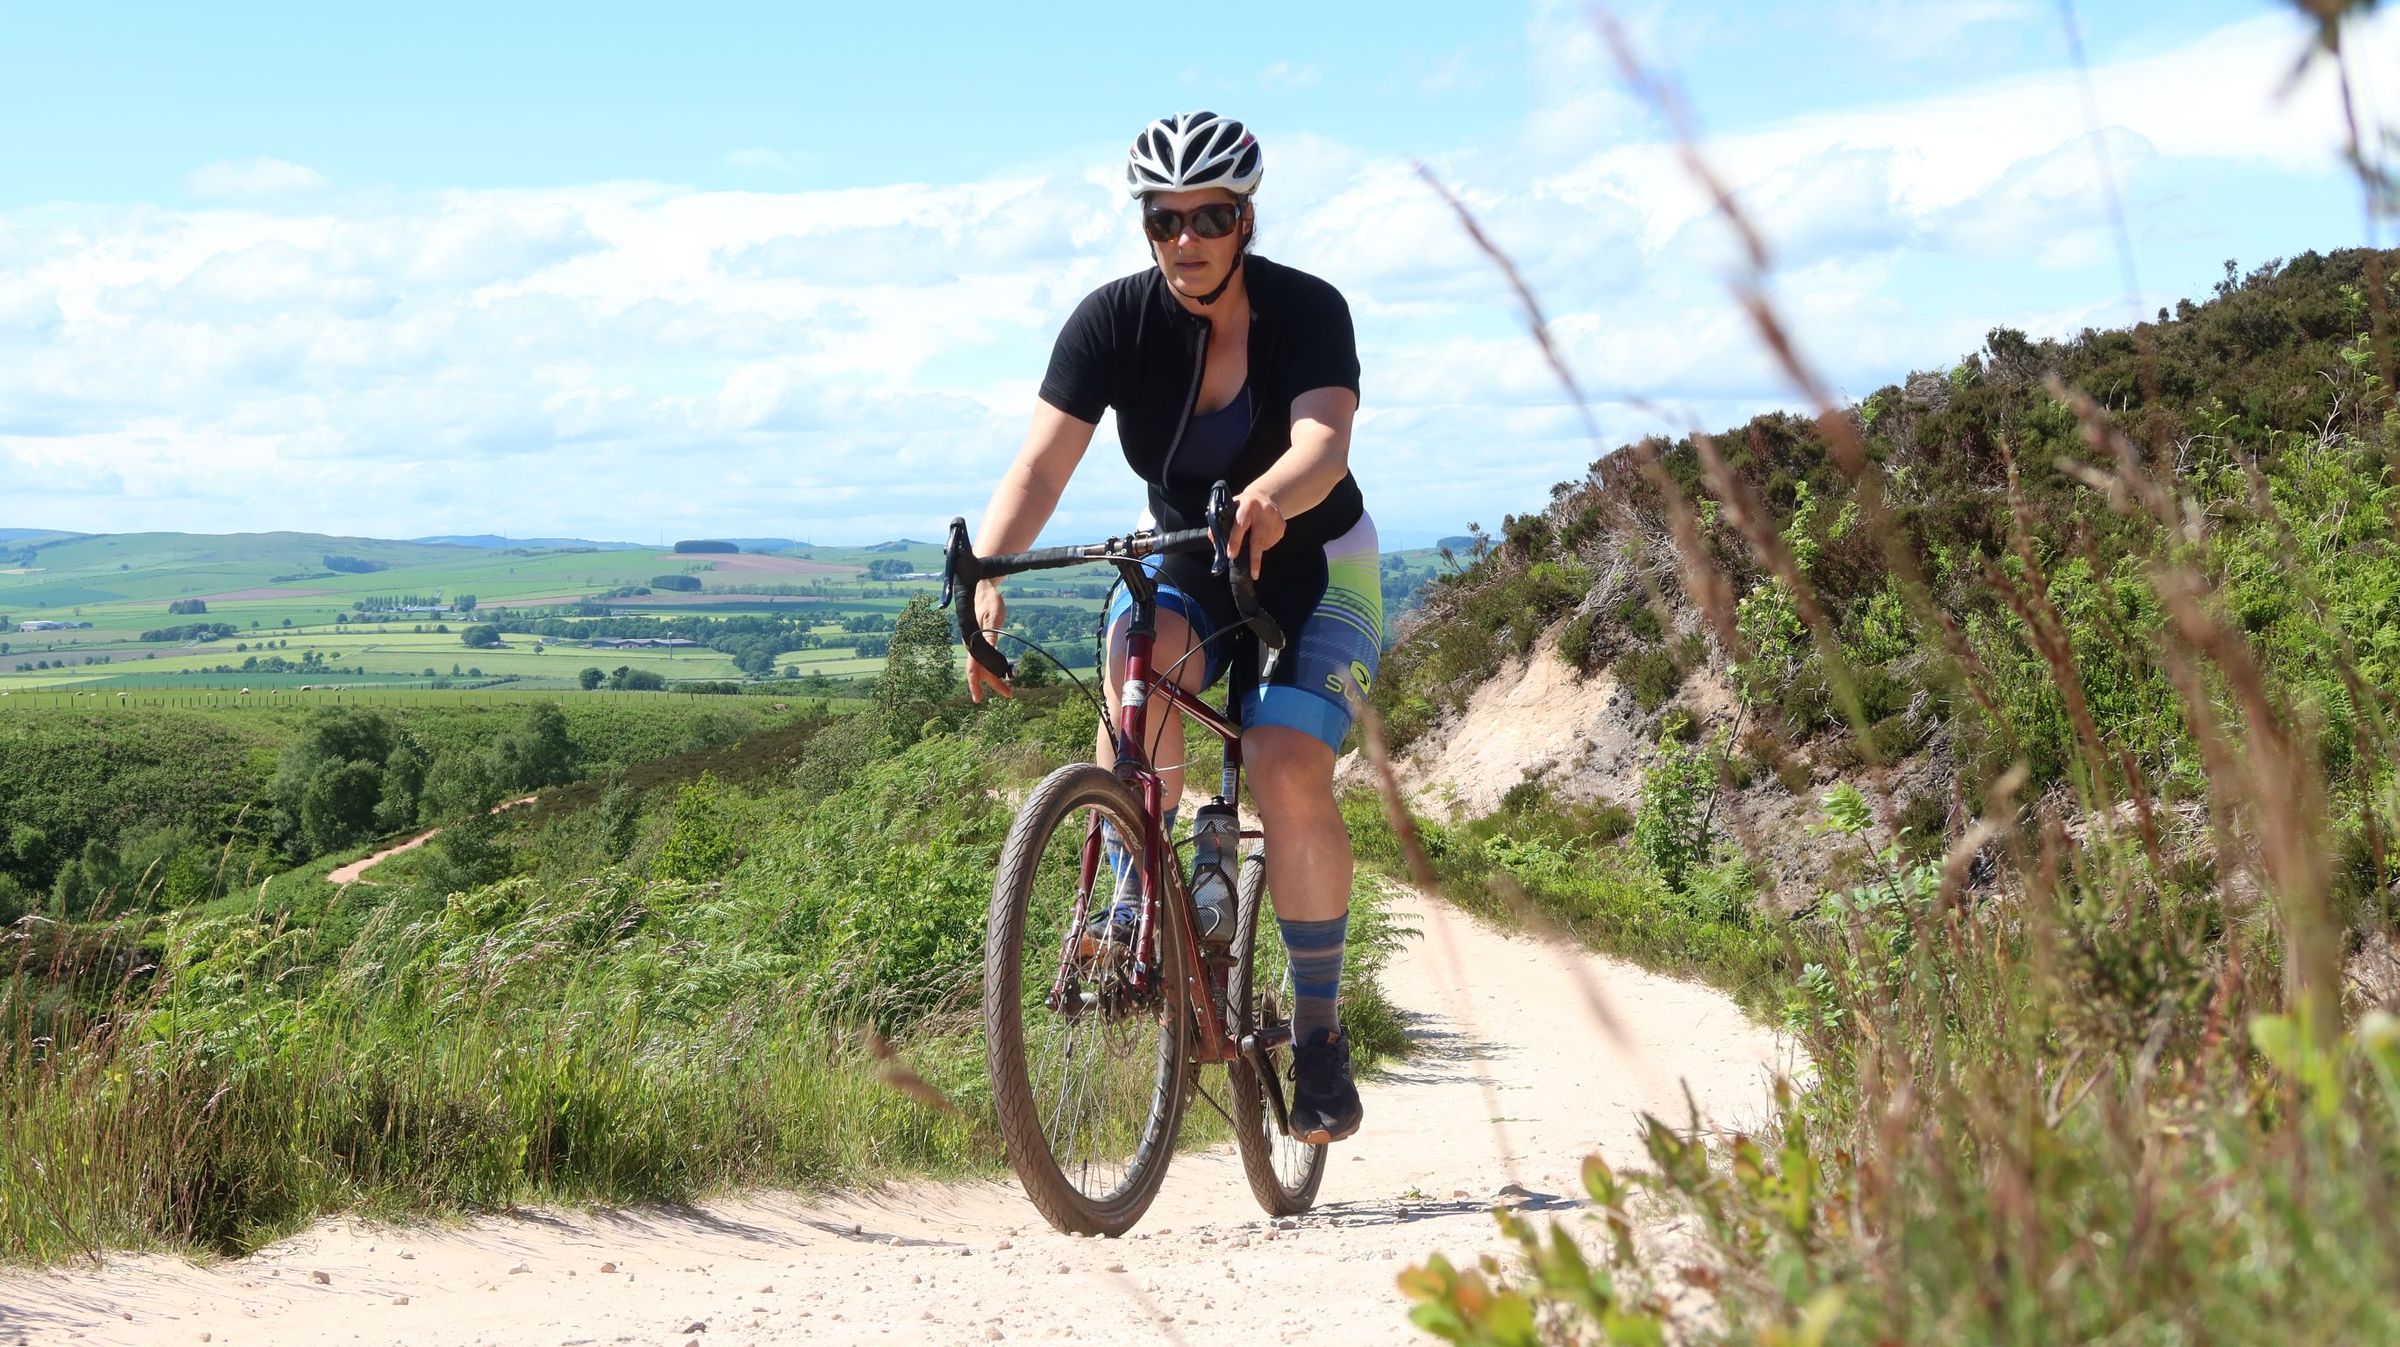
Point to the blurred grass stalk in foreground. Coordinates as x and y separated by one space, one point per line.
2143 1084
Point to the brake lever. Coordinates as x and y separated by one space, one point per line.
1245 593
958 564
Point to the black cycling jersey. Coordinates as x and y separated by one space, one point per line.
1129 346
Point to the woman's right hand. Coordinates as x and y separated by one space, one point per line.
991 614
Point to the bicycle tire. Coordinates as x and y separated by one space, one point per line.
1064 1150
1284 1173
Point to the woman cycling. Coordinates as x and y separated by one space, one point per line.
1224 366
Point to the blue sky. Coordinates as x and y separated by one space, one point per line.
794 269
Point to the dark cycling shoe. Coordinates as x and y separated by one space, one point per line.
1112 930
1325 1103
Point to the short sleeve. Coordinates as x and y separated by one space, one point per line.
1324 347
1079 379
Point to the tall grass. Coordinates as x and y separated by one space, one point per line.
2118 1061
199 1106
619 997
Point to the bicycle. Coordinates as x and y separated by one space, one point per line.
1094 1046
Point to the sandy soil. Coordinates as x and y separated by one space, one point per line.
1534 714
1513 1084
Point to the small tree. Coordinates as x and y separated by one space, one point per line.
466 855
403 782
917 676
1670 828
460 783
337 806
538 753
465 603
590 679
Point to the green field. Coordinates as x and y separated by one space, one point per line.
283 603
384 655
127 579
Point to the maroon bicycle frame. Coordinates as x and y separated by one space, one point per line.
1139 690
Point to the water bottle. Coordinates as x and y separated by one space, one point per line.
1216 849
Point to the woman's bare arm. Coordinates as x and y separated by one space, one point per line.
1023 501
1301 479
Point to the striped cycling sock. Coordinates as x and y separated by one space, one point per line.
1315 948
1120 856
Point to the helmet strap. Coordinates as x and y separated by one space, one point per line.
1248 233
1214 295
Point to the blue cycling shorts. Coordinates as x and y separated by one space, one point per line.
1329 602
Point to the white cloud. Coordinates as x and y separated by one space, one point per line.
1287 77
858 363
1907 31
252 179
1459 72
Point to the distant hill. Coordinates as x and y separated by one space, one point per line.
493 542
36 535
896 545
154 568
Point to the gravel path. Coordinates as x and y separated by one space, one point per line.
1513 1084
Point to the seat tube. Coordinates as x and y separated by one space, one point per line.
1133 699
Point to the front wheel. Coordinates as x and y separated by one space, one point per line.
1284 1174
1087 1072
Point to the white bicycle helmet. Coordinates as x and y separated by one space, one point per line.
1192 150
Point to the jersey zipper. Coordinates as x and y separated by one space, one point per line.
1191 399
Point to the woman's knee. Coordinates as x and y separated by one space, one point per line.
1291 772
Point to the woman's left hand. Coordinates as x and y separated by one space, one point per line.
1257 523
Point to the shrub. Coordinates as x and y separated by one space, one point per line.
1651 675
1575 641
465 856
700 844
1668 829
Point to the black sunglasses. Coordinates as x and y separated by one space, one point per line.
1212 221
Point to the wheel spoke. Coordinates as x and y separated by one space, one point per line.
1079 1086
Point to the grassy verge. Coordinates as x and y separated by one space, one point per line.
648 989
1530 867
2118 1059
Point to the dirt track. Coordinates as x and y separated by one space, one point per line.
1513 1084
357 869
